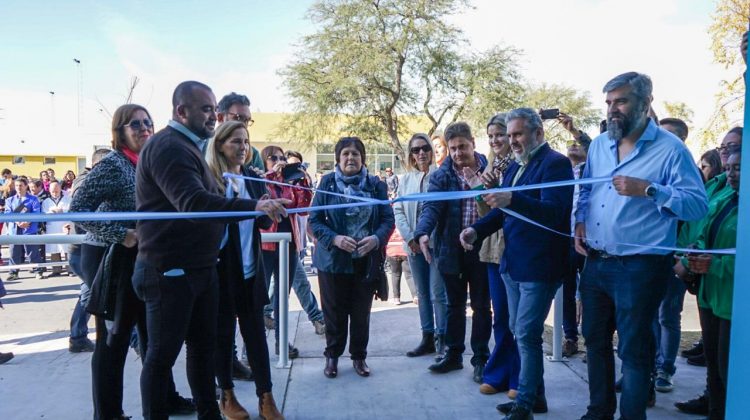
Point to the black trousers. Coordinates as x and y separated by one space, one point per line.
252 329
111 350
346 300
180 308
716 349
473 274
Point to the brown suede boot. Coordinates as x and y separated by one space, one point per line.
267 408
230 407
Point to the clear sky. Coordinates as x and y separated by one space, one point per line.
239 45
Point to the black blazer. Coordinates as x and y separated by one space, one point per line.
244 294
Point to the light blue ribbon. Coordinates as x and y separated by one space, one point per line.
362 201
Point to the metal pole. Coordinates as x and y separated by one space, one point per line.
50 238
283 324
557 327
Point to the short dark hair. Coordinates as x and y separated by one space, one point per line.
713 158
736 130
232 98
457 129
294 154
345 142
22 179
6 171
682 127
38 183
184 90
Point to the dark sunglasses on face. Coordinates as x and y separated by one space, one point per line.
415 150
137 125
727 148
275 158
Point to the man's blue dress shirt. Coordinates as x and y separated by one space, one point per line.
612 220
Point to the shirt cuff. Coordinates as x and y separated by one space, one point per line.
663 195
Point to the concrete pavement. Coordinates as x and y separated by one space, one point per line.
46 381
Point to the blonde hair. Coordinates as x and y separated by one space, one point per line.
411 162
217 162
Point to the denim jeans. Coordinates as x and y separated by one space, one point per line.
431 293
79 328
570 289
504 365
305 295
25 253
621 292
528 306
474 275
179 309
667 325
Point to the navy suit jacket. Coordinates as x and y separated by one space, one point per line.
532 253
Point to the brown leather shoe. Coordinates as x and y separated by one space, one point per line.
360 366
230 407
267 408
332 367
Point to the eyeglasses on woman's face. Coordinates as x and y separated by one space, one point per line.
425 148
138 125
276 158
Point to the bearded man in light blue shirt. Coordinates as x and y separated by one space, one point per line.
625 228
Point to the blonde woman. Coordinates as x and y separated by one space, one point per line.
242 286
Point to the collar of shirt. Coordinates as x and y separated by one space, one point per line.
201 143
533 153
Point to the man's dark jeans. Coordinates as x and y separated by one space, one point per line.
474 273
570 289
180 308
621 292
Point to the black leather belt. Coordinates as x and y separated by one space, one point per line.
595 253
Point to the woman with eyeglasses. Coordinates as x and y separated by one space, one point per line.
432 300
242 286
350 253
502 368
275 161
110 187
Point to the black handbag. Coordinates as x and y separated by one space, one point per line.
104 287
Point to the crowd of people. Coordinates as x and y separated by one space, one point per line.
159 284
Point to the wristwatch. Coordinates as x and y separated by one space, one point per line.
651 191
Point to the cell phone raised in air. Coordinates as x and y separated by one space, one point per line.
292 173
549 114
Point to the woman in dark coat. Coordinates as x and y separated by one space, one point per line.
110 187
242 286
349 254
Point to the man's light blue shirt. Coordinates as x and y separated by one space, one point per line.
201 143
613 220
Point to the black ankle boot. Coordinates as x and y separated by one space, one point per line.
426 346
439 346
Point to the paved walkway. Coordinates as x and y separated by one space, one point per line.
46 381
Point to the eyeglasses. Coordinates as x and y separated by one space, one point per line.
137 125
730 147
415 150
241 118
571 143
275 158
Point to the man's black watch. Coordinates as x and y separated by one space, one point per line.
651 191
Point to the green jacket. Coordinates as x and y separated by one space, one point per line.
716 190
717 287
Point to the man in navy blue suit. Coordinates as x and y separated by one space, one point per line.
535 259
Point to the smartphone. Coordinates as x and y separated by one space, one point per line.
292 172
549 114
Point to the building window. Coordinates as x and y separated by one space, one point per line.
19 160
49 160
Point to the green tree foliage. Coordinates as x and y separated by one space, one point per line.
379 69
730 21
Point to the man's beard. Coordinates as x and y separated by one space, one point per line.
617 129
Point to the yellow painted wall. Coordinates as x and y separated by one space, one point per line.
35 164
